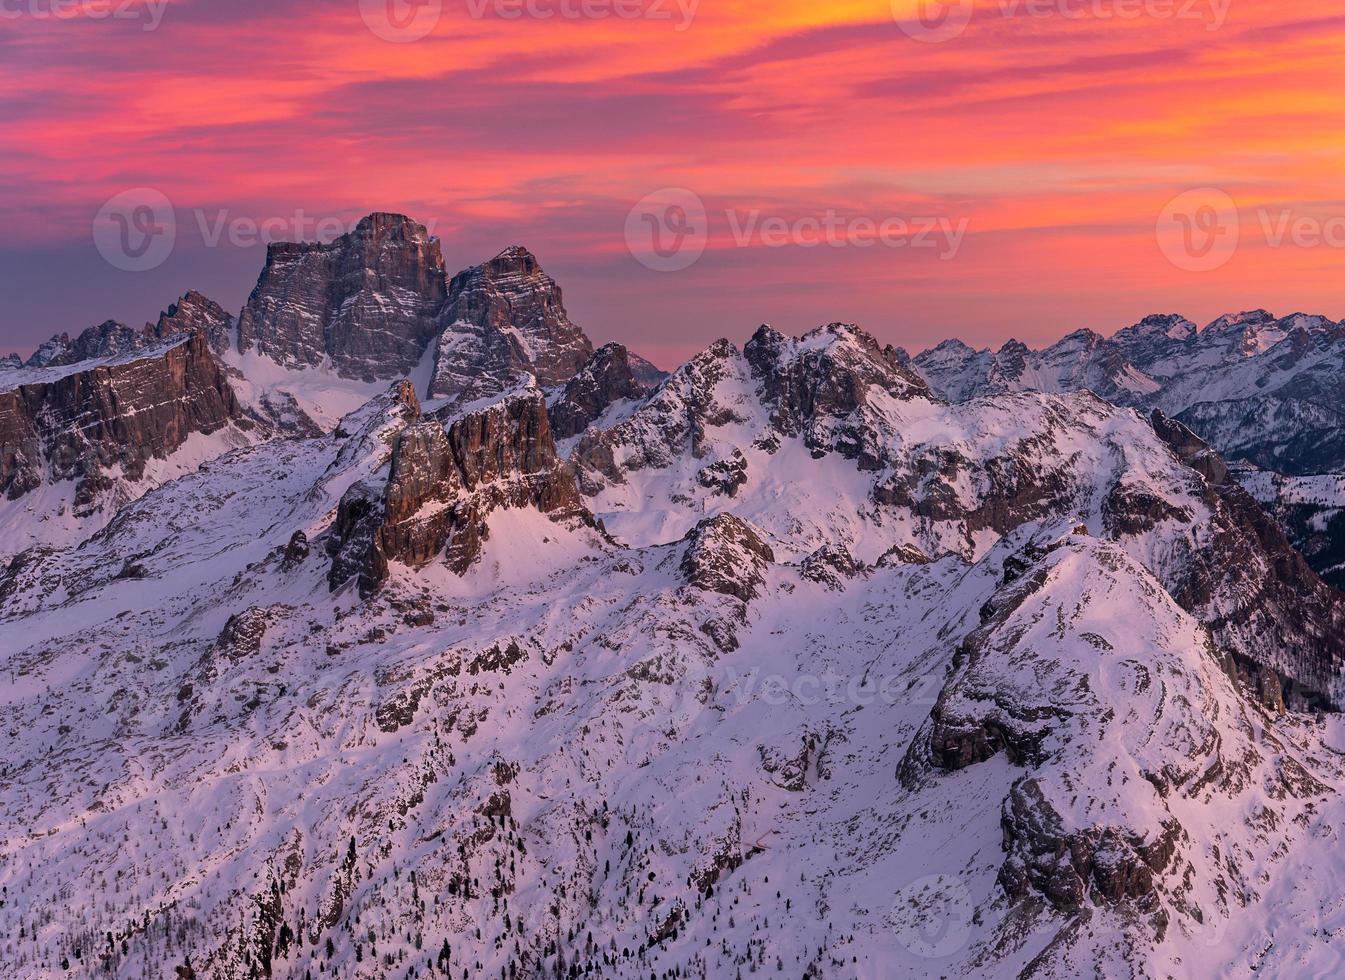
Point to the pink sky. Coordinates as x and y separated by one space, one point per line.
1054 133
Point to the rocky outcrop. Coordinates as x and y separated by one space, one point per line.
111 419
607 378
1258 594
814 383
1104 865
194 313
831 566
443 483
505 318
107 339
725 554
674 420
368 301
1048 680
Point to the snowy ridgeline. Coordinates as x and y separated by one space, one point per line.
788 667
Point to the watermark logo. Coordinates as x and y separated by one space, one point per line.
1199 230
683 12
935 21
667 230
135 231
932 916
401 21
932 21
150 13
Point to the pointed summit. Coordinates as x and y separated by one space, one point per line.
503 318
192 313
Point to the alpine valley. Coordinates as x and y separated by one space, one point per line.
390 629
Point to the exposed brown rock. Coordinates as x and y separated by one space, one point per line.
606 379
118 415
502 319
368 300
443 483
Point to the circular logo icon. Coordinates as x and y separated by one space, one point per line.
401 21
932 21
667 230
932 916
1198 231
135 231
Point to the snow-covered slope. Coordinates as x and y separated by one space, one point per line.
790 667
1261 389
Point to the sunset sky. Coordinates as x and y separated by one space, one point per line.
1054 134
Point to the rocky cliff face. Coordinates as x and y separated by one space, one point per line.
503 318
195 313
106 340
368 301
821 388
442 484
606 379
108 421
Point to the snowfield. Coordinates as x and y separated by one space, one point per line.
786 666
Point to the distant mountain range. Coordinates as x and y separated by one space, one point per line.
391 629
1264 391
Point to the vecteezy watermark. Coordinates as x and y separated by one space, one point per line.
932 916
401 21
682 12
831 688
148 12
1200 230
669 230
935 21
137 230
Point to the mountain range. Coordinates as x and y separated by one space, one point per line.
1264 391
393 629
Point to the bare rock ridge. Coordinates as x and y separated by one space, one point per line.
1251 558
606 379
817 387
442 484
367 300
110 339
112 418
377 300
194 313
504 318
107 339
